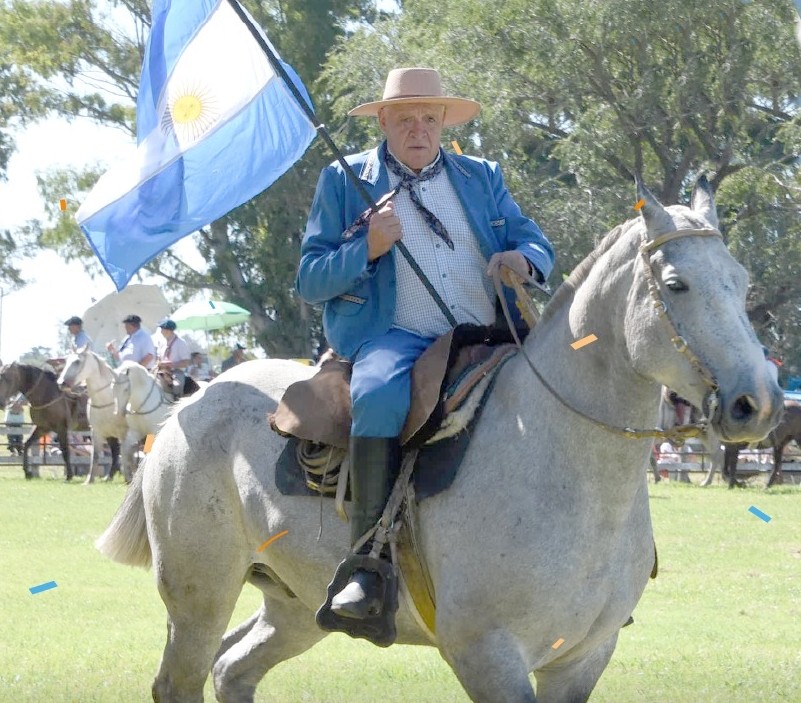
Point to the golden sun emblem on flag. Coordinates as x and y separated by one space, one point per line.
191 112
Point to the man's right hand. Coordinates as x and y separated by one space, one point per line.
385 229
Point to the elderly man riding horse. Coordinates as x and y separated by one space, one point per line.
458 222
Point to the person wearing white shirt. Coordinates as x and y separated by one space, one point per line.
173 356
79 338
459 225
198 369
137 346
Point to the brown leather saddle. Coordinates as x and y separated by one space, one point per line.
164 377
319 409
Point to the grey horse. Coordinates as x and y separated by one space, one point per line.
537 540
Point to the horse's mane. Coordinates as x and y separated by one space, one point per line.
579 274
49 375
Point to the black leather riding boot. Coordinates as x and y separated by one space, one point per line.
374 466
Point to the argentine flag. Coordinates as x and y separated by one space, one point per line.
215 127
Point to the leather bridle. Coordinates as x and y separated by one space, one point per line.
679 433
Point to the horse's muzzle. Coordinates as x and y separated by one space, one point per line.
744 417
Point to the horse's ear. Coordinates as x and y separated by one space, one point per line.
657 219
703 201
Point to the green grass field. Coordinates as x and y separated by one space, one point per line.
721 623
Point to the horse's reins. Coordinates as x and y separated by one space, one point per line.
144 402
33 388
100 370
676 434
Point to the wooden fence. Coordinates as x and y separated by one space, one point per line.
41 454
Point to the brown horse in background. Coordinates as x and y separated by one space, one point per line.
52 410
786 431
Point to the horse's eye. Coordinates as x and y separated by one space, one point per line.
677 285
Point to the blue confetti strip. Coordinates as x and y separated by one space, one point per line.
759 514
42 587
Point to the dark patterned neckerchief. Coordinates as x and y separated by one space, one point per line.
407 182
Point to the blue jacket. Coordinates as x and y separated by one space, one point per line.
359 296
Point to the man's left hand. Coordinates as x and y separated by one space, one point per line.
506 260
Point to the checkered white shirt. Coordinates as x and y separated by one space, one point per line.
457 275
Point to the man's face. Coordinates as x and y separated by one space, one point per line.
74 329
413 132
130 328
167 334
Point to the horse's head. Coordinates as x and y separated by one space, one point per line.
685 320
9 382
77 367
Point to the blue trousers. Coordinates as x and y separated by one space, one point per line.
380 387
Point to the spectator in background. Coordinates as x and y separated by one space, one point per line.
236 358
15 417
198 369
173 356
137 346
79 337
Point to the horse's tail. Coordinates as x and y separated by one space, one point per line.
125 539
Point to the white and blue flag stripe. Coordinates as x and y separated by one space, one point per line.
215 127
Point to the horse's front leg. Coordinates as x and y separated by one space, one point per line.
129 445
29 474
716 458
114 446
94 458
64 445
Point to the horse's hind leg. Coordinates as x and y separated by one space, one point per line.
281 629
200 563
64 445
573 681
199 604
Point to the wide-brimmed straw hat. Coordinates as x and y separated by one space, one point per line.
419 85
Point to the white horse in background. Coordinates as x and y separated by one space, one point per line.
537 541
140 399
85 366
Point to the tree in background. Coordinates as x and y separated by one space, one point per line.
96 49
577 95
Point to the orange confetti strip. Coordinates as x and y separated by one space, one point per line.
639 204
456 147
62 204
271 540
558 643
584 341
149 443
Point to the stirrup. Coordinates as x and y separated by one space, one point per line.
378 629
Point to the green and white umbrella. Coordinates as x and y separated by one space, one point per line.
207 315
